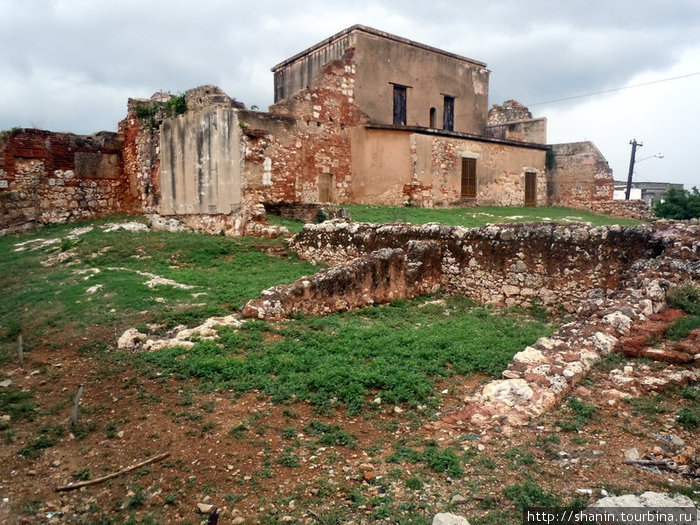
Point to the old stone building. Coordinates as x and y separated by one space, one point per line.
361 117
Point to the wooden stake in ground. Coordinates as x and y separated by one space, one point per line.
20 348
76 403
154 459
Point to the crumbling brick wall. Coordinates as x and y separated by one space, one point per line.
578 174
291 160
51 177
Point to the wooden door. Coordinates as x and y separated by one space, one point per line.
468 178
530 189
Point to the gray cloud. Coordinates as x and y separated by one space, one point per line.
72 64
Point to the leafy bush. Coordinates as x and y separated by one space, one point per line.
679 204
688 418
686 298
530 494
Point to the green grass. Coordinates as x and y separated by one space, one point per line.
686 298
438 459
477 216
224 272
395 351
580 414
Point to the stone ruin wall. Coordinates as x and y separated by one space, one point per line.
386 275
556 265
314 144
580 177
612 278
48 177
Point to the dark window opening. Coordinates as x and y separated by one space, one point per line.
433 118
448 114
399 105
468 178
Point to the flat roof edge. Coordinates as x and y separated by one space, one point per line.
458 135
375 32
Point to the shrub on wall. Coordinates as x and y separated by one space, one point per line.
679 205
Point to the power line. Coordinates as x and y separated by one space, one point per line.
614 89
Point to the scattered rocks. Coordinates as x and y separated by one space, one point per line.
205 508
631 454
458 499
446 518
131 340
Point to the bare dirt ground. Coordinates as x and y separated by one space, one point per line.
260 462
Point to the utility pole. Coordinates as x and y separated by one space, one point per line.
635 145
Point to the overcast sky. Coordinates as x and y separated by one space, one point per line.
71 65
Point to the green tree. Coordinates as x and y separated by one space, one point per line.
679 204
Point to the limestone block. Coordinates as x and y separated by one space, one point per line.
509 391
529 356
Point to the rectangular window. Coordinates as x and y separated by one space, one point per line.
399 105
448 114
468 178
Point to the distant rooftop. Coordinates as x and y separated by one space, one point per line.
375 32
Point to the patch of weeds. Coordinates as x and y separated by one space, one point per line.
238 430
414 483
682 327
486 462
82 475
17 403
530 494
185 399
691 392
579 440
688 418
289 433
111 429
647 405
94 347
581 414
287 458
375 449
686 298
81 430
207 428
494 517
137 498
49 436
330 435
440 460
31 507
170 498
232 499
443 460
289 413
209 406
519 457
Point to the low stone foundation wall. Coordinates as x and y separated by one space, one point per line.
556 265
381 277
634 209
